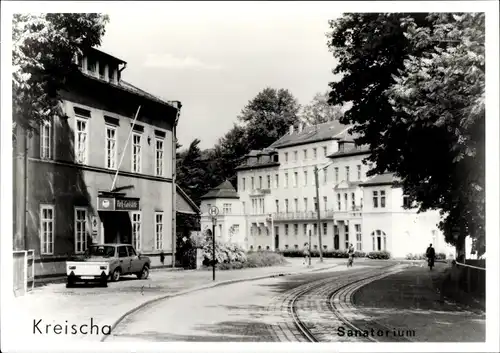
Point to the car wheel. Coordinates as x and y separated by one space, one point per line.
144 274
116 275
70 283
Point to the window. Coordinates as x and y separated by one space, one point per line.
226 208
286 156
382 198
375 199
46 140
345 201
336 241
295 179
305 177
305 204
325 176
80 229
122 251
276 181
295 229
315 153
338 202
325 247
277 206
159 157
296 246
263 209
325 228
304 227
110 147
259 230
347 174
286 205
254 206
305 154
253 183
406 201
286 180
136 153
220 230
267 247
315 232
315 204
91 66
336 175
286 229
136 230
353 201
358 237
131 251
208 207
296 204
295 156
286 247
346 236
379 240
359 171
47 229
159 230
260 182
325 151
81 141
243 184
325 203
244 207
251 247
268 181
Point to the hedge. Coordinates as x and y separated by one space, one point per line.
439 256
326 253
380 255
255 259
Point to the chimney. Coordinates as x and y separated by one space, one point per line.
291 129
301 127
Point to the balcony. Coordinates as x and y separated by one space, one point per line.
305 215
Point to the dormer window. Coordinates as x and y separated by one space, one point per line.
341 147
91 65
102 74
275 158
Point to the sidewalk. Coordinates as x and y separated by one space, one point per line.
56 304
410 300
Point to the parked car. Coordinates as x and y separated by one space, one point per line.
107 262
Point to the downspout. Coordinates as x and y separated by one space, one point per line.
174 185
27 135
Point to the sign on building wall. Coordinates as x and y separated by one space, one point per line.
118 204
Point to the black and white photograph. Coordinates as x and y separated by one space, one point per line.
226 176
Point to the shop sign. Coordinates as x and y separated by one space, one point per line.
118 204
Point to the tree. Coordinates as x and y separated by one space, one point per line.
416 82
267 117
319 111
44 46
191 171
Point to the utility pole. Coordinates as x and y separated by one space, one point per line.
310 231
319 216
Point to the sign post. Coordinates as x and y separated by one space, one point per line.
213 211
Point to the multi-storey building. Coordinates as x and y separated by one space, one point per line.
278 199
103 173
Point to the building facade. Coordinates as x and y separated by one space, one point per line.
278 198
103 173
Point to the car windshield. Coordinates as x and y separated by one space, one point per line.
101 250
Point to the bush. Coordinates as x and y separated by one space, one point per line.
326 253
439 256
224 253
382 255
254 259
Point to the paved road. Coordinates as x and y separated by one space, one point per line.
247 311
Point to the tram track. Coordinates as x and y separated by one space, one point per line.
305 312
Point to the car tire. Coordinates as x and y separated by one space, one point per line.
115 277
70 283
144 274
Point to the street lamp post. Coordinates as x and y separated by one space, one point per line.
317 211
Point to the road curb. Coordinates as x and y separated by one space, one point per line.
208 286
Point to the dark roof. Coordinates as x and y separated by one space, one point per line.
133 89
184 204
321 132
382 179
254 164
350 149
223 191
114 58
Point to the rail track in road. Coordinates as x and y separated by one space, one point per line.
311 312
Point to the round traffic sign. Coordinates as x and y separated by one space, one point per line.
213 211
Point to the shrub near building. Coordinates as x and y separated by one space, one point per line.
326 253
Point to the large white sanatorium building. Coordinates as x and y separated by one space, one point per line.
276 199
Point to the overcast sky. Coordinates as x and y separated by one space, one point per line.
214 62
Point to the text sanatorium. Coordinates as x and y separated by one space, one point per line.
68 329
345 332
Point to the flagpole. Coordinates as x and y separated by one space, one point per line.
125 148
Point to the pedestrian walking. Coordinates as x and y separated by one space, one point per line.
307 253
431 256
350 252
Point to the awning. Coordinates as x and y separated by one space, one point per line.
184 204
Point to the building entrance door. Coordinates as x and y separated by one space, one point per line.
276 238
117 227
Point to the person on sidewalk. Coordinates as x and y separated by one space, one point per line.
350 253
307 254
431 256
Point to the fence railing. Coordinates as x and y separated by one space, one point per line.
305 215
24 271
471 276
